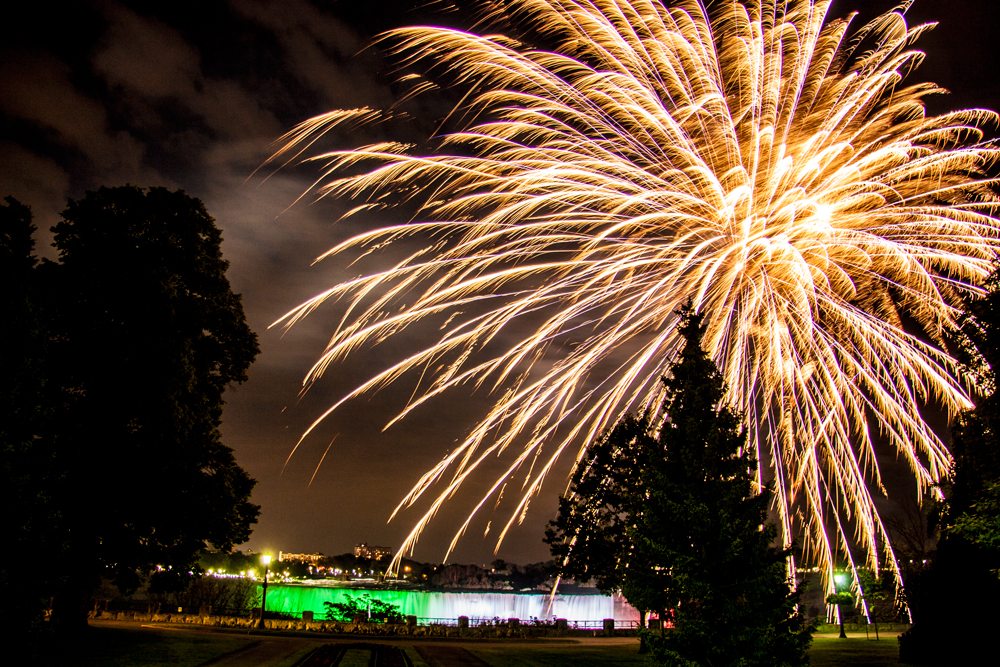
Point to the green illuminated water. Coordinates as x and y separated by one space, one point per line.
294 599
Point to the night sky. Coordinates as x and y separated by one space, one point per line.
192 95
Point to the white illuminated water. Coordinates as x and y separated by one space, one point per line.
447 606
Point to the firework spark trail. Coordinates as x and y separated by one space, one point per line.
760 158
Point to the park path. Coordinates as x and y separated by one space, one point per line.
449 656
357 655
265 650
302 653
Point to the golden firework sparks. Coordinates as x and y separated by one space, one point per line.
760 158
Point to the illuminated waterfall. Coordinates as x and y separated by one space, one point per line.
448 606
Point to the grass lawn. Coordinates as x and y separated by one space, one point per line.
828 650
126 647
164 645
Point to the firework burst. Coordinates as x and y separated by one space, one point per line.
765 161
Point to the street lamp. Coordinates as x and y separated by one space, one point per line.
265 560
841 598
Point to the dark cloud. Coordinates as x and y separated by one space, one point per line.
61 124
154 93
141 54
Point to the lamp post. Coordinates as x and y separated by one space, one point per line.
265 560
841 598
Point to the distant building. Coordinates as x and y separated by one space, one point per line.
365 550
311 559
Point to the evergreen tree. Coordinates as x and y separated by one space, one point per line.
594 536
667 514
727 587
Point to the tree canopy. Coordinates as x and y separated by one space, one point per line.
687 530
140 335
952 601
28 476
364 606
594 536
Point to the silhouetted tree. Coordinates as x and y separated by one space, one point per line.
363 607
30 523
530 576
594 535
911 528
142 334
728 590
952 601
665 507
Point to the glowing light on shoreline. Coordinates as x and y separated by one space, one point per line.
766 161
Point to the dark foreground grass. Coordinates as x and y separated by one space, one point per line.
138 646
498 655
827 651
128 647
